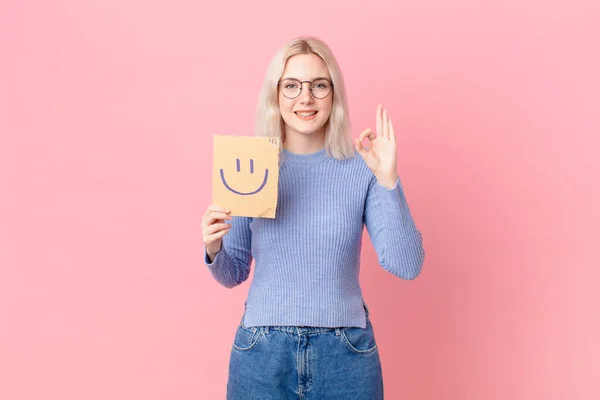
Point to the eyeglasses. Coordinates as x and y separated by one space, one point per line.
291 88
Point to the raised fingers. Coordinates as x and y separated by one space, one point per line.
386 130
392 133
379 120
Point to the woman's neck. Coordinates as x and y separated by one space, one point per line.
304 144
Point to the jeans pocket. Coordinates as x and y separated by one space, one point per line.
360 340
246 338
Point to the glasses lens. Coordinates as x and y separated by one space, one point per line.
320 88
290 88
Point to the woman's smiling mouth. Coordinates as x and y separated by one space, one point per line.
306 115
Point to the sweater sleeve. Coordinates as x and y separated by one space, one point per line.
398 243
231 265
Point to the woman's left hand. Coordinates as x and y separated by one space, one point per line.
380 157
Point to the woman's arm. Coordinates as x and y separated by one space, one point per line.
231 265
398 243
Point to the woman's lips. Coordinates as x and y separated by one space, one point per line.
306 118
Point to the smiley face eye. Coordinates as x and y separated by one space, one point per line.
237 164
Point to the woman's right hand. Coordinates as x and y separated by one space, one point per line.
214 228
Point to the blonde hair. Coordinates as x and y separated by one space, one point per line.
338 141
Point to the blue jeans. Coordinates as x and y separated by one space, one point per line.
285 362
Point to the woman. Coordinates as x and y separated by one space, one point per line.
305 332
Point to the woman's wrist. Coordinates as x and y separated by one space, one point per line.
388 181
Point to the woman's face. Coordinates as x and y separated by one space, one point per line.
305 114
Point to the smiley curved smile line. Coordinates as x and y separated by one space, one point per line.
241 193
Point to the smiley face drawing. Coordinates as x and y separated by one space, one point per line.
246 174
262 185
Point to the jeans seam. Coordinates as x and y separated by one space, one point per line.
363 352
255 338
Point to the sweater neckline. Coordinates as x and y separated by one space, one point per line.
297 158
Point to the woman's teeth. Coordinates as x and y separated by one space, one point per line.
306 114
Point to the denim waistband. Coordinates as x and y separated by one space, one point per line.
300 330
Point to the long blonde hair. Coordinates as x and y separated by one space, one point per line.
338 141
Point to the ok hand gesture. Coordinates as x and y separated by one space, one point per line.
380 157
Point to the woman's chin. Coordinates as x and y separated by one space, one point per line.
308 130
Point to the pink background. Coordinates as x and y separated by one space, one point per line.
107 111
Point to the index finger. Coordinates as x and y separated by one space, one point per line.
367 132
214 207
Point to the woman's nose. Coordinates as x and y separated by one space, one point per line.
305 94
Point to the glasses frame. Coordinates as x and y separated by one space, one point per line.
302 87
